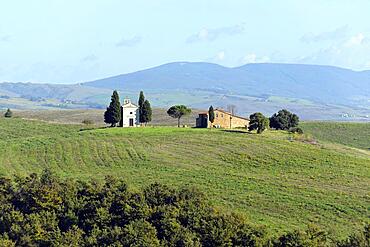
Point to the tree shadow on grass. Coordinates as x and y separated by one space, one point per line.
237 131
93 128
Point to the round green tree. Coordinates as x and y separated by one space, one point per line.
257 121
284 120
178 111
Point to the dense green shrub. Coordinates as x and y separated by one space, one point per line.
87 122
361 238
8 113
258 122
284 120
296 130
46 211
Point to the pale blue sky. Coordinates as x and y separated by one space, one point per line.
79 40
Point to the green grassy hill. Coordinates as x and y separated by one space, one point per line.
271 178
351 134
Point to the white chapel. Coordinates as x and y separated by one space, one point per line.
130 114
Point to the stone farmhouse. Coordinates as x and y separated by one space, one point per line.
223 119
130 114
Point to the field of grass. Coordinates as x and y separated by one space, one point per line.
273 180
355 135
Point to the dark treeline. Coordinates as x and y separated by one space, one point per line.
46 211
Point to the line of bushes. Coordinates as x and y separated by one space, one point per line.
47 211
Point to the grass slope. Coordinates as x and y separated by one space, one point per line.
274 181
351 134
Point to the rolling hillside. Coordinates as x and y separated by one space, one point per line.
48 96
271 178
355 135
314 92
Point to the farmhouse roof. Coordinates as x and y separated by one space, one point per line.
229 113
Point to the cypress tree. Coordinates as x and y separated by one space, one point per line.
113 113
211 115
146 112
141 104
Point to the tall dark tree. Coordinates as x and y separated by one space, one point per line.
211 115
284 120
257 121
146 112
112 115
141 104
177 111
8 113
141 99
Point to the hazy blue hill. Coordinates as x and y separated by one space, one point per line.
179 75
55 91
44 96
324 84
313 91
317 83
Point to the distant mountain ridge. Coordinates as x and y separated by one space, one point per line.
324 84
313 91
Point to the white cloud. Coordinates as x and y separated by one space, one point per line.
89 58
220 55
358 39
5 38
338 34
250 58
253 58
209 34
129 42
367 66
350 53
203 34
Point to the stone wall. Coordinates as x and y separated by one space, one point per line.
227 121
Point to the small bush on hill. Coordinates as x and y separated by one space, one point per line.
87 122
8 113
361 238
296 130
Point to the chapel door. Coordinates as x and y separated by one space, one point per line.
131 122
